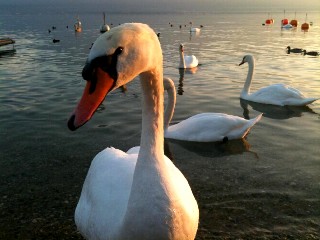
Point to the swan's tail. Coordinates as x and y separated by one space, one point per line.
309 101
251 123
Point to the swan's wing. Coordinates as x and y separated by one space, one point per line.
209 127
191 61
105 193
278 94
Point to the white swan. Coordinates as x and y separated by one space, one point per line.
130 195
187 61
194 29
276 94
204 127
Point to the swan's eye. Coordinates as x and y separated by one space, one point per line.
118 51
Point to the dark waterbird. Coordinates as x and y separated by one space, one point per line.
294 50
311 53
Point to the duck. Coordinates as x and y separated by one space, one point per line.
294 50
138 194
204 127
276 94
311 53
55 40
187 61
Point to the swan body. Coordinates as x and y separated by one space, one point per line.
187 61
204 127
195 30
276 94
138 194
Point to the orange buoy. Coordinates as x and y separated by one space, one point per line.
294 23
305 26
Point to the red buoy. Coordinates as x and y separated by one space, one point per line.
284 21
268 21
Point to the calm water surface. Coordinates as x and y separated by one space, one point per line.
266 186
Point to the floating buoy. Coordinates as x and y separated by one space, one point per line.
294 22
268 21
305 26
284 21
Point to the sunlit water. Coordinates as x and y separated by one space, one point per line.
266 186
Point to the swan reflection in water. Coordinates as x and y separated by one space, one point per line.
211 149
274 111
182 71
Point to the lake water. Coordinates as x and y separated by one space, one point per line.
266 186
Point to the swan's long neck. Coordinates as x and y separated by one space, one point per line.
168 114
147 209
247 84
152 115
182 63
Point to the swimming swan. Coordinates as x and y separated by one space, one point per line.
276 94
187 61
204 127
138 194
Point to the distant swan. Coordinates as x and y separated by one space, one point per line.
138 194
204 127
194 29
187 61
276 94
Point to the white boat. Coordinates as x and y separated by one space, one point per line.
105 27
78 26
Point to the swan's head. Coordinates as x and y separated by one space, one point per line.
181 47
246 59
115 58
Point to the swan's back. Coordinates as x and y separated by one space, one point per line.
191 61
105 193
280 94
210 127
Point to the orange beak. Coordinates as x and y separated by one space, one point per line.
91 99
